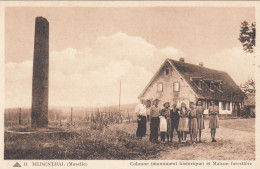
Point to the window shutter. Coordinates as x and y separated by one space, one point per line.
159 87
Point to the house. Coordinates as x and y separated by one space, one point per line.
249 104
178 81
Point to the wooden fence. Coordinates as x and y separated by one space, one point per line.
56 117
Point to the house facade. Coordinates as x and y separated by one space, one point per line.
178 81
249 104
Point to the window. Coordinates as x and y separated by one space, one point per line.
167 71
208 104
220 86
216 103
159 87
223 107
198 84
208 84
228 106
204 104
176 87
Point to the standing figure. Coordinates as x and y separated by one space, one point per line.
154 121
140 111
189 132
165 122
213 119
175 121
148 109
193 123
200 118
184 122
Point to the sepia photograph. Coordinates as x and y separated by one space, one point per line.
129 83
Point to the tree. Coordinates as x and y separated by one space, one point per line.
247 36
248 87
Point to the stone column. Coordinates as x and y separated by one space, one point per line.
40 82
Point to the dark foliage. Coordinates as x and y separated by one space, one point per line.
248 87
247 36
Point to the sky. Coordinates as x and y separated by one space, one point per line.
92 49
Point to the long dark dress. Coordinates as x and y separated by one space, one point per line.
175 118
141 129
175 121
154 124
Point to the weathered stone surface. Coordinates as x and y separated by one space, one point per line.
40 84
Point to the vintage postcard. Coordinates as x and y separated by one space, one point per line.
129 84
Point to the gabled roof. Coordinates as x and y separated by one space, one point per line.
229 92
154 76
250 99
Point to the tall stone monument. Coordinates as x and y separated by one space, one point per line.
40 81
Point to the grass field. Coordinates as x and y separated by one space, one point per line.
235 141
77 143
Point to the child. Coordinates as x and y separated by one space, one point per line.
164 124
184 122
193 123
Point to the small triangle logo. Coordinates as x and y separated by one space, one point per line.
17 165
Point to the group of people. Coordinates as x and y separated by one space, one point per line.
183 120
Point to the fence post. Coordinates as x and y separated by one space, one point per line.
20 116
112 117
29 118
128 115
95 116
71 111
98 116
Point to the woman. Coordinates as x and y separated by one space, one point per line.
193 123
184 122
148 109
154 121
140 111
200 118
165 122
213 119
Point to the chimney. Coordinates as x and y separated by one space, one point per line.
201 64
181 59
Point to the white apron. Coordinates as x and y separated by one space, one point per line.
163 124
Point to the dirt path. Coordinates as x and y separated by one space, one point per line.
232 144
